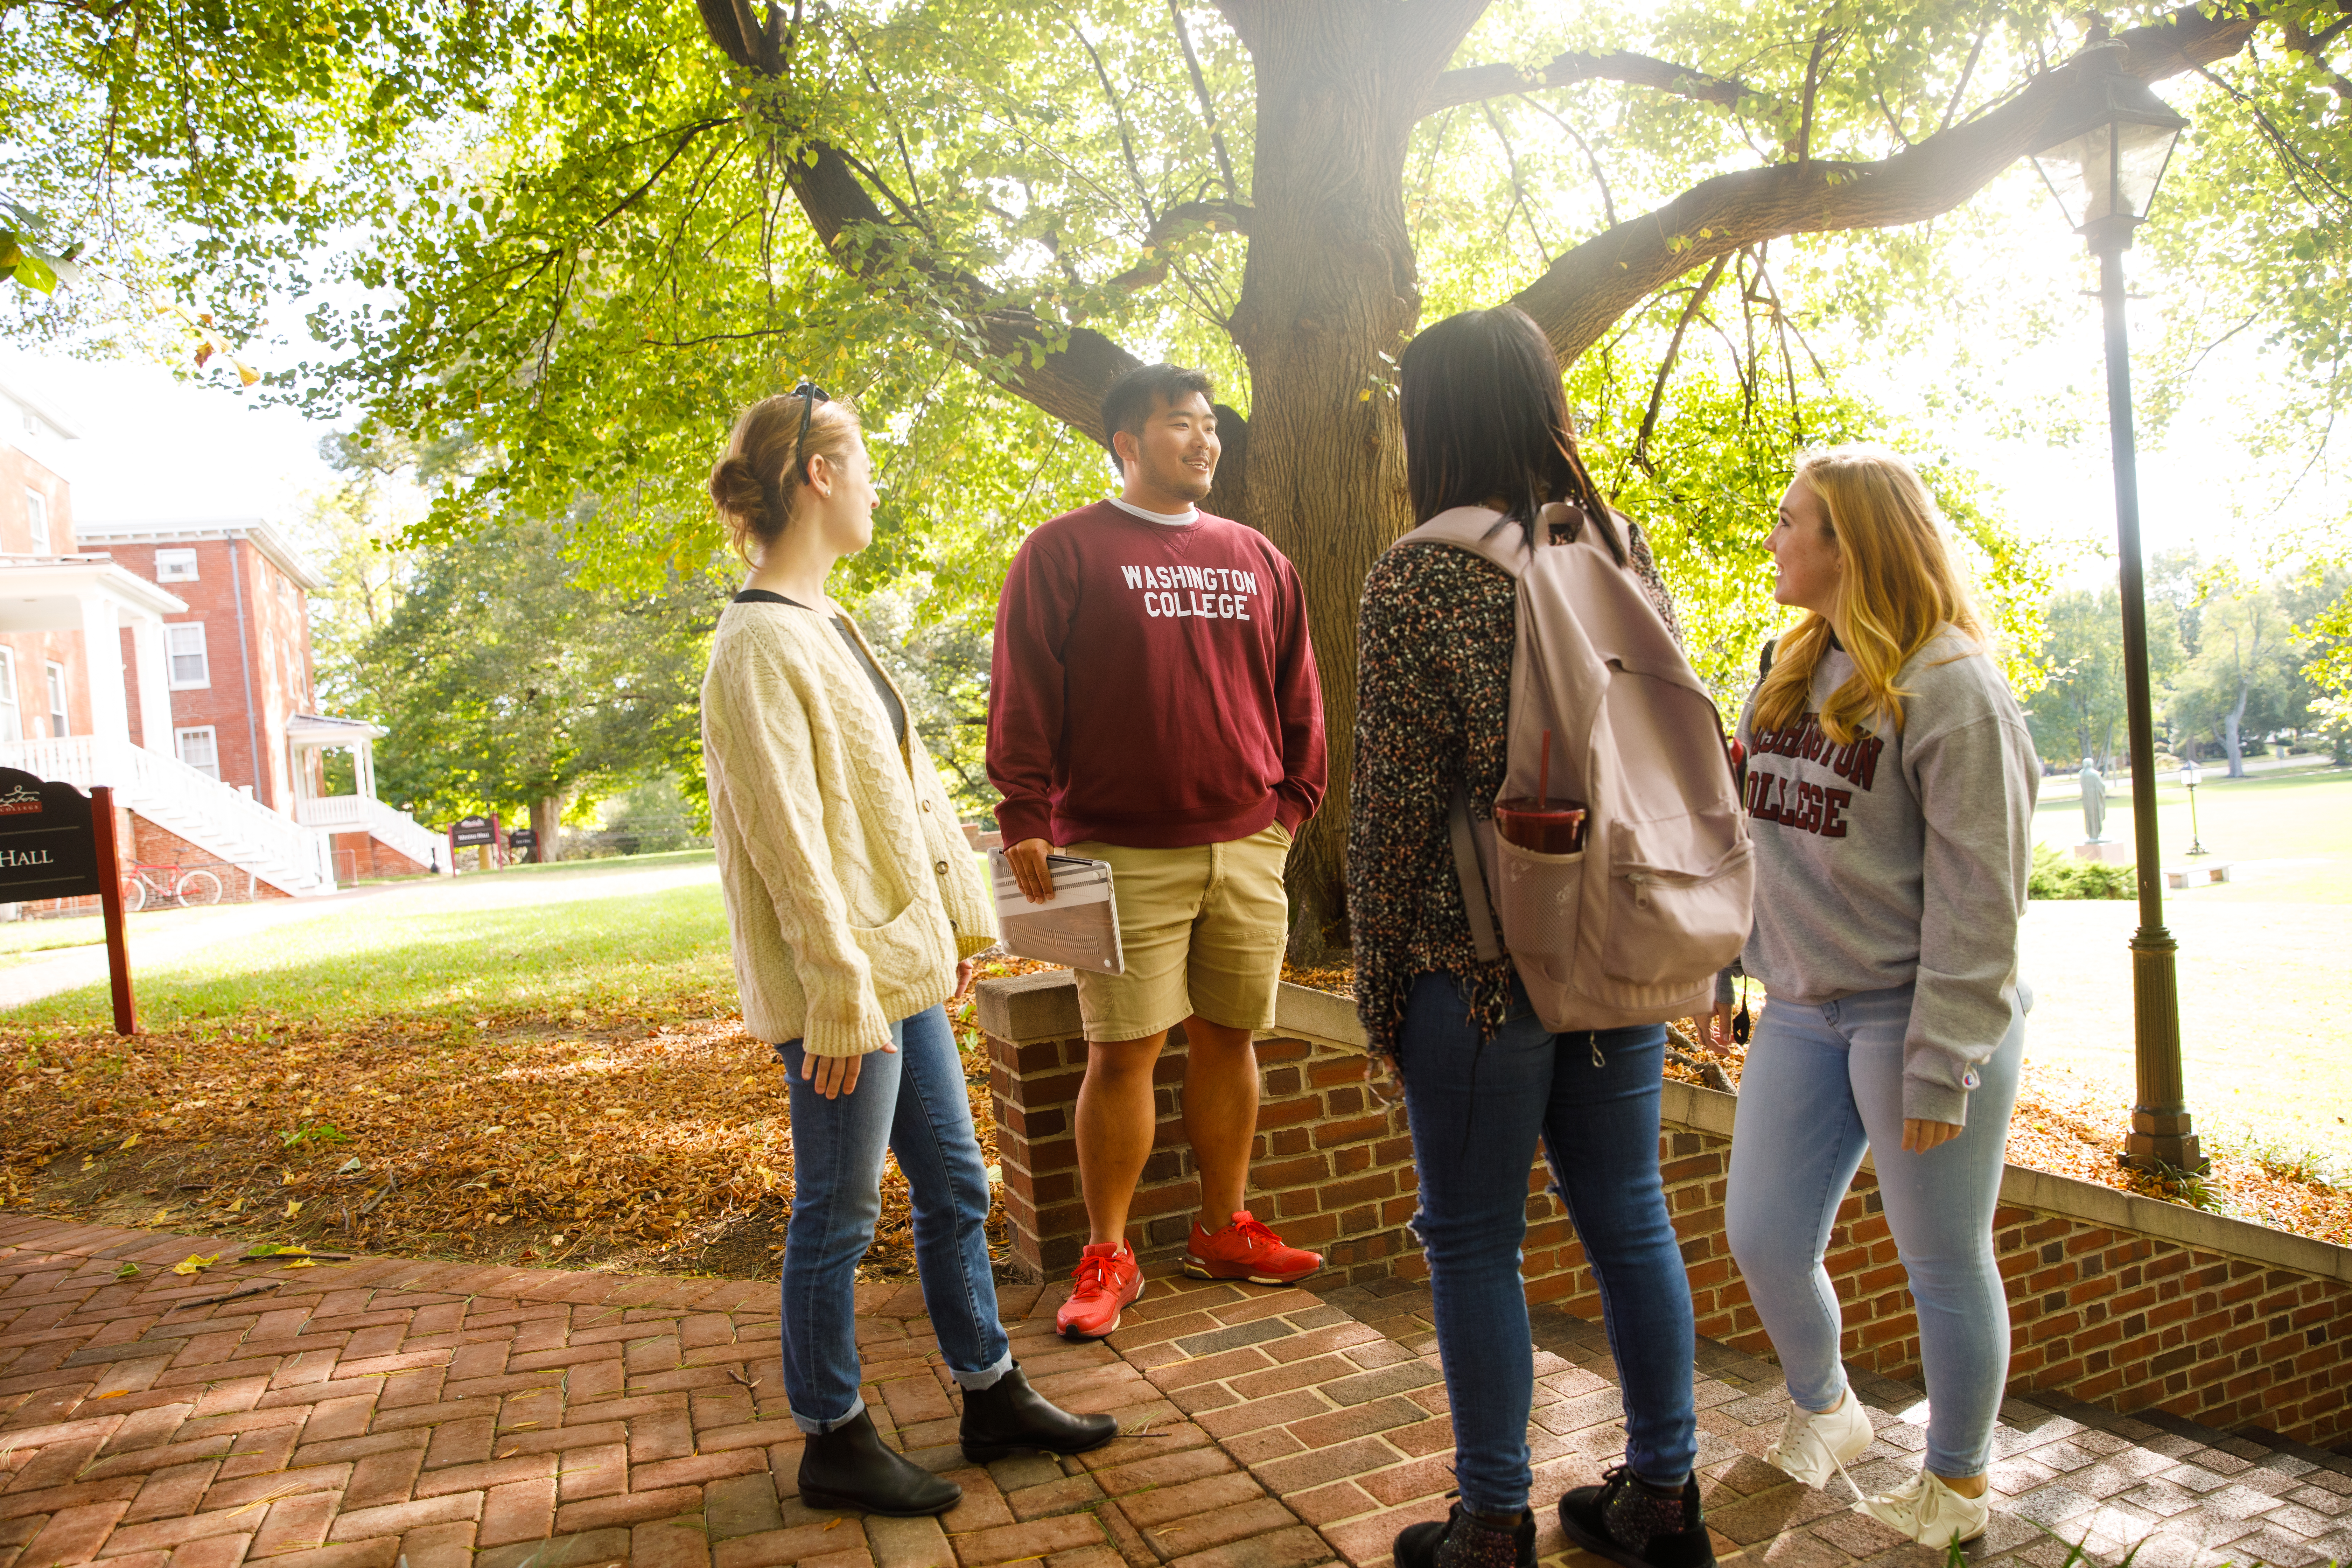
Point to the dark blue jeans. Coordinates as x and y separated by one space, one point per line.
1477 1109
912 1104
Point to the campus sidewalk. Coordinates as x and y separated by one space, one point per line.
356 1415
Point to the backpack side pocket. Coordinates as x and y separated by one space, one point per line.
1541 900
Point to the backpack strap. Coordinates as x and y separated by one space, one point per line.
1472 880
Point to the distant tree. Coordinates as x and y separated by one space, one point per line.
2243 679
510 676
2079 712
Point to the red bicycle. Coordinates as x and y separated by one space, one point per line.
168 887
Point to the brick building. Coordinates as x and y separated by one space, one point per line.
239 654
172 662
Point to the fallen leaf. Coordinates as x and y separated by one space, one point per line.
128 1271
130 1142
193 1263
293 1207
111 1394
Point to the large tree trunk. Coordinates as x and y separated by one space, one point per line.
546 824
1328 299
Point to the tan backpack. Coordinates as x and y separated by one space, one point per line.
1631 928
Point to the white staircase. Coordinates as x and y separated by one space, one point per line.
287 855
363 813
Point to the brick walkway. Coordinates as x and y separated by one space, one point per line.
352 1415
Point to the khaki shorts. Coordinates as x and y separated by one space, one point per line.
1203 930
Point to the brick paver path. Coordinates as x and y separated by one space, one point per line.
353 1416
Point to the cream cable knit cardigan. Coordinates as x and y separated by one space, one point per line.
850 891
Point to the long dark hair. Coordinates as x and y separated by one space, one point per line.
1484 418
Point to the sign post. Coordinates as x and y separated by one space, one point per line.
524 842
481 833
57 843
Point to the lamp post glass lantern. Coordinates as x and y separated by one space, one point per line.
2103 164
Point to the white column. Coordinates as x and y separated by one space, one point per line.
154 685
364 770
110 711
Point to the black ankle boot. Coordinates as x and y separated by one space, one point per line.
1462 1540
1631 1523
1008 1415
851 1466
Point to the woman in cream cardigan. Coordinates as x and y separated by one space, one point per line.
855 908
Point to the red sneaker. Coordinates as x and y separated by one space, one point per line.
1247 1251
1107 1279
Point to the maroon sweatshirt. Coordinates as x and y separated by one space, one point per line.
1152 686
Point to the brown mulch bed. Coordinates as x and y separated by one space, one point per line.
660 1146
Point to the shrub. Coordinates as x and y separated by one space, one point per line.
2056 876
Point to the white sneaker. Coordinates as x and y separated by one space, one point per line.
1814 1447
1930 1512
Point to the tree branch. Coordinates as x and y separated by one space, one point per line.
1171 223
1472 83
1585 290
1208 105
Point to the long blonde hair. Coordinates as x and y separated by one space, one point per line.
1900 587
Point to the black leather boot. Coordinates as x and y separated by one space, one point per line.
1009 1415
851 1466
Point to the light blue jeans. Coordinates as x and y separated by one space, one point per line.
1821 1084
912 1104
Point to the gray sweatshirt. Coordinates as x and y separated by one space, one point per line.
1901 857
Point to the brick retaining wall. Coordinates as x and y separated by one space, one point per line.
2118 1300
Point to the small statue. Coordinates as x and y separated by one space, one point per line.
2095 804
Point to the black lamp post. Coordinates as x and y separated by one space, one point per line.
2191 776
2103 162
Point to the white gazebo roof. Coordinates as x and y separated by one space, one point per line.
319 730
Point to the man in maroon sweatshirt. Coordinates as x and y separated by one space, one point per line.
1154 704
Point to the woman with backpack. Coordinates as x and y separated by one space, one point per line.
1890 788
1485 425
855 908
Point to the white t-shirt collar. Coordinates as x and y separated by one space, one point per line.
1166 519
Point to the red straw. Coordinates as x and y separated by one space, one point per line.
1543 776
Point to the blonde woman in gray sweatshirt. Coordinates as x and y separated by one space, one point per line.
1890 787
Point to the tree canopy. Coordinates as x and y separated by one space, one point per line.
583 235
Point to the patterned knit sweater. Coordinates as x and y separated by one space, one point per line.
1433 640
850 891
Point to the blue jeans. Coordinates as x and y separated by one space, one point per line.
1821 1084
1477 1109
911 1103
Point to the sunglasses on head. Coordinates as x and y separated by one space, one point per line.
811 394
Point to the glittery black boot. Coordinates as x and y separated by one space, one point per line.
1631 1523
1464 1540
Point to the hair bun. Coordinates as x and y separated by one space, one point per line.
737 490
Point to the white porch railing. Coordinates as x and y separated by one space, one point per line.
363 813
205 811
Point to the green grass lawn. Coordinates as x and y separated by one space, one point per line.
25 940
2264 964
2291 833
654 956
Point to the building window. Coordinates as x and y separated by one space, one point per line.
59 726
12 722
175 566
184 641
36 519
198 750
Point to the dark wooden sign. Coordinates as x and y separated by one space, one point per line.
58 843
472 830
522 839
